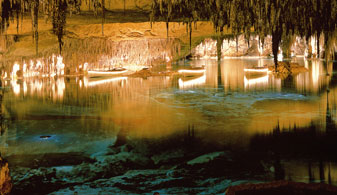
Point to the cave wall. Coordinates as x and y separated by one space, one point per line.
229 48
144 5
103 53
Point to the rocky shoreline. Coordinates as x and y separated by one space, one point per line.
174 165
5 179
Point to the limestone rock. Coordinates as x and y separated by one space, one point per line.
206 158
288 68
5 179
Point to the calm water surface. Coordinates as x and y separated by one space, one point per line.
225 106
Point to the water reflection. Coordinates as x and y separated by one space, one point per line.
49 87
185 83
3 124
102 81
233 76
261 81
316 79
44 67
304 154
225 105
284 101
230 74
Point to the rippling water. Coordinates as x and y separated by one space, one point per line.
225 106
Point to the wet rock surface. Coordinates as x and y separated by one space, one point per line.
5 179
285 69
178 164
282 187
167 166
48 160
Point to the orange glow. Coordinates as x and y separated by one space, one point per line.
256 81
99 82
184 71
256 70
107 72
39 68
192 83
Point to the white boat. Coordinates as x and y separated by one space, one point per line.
257 69
104 81
261 81
199 70
192 82
115 71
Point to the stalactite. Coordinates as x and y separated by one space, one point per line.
219 42
103 16
264 16
190 32
35 9
317 43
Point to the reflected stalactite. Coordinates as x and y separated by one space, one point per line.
121 138
2 118
316 80
233 76
128 103
43 67
219 74
279 169
329 123
3 121
122 91
52 88
329 174
309 143
310 172
190 138
5 179
321 171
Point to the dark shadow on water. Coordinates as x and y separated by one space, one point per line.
311 144
189 160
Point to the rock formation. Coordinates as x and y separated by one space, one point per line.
5 179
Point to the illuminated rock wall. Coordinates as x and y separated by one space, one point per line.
94 54
208 48
102 53
119 5
5 43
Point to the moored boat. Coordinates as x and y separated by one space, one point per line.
257 69
115 71
192 71
195 81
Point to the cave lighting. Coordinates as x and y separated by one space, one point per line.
191 83
256 81
192 71
95 83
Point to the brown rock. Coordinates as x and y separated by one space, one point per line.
282 187
288 68
5 179
135 34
